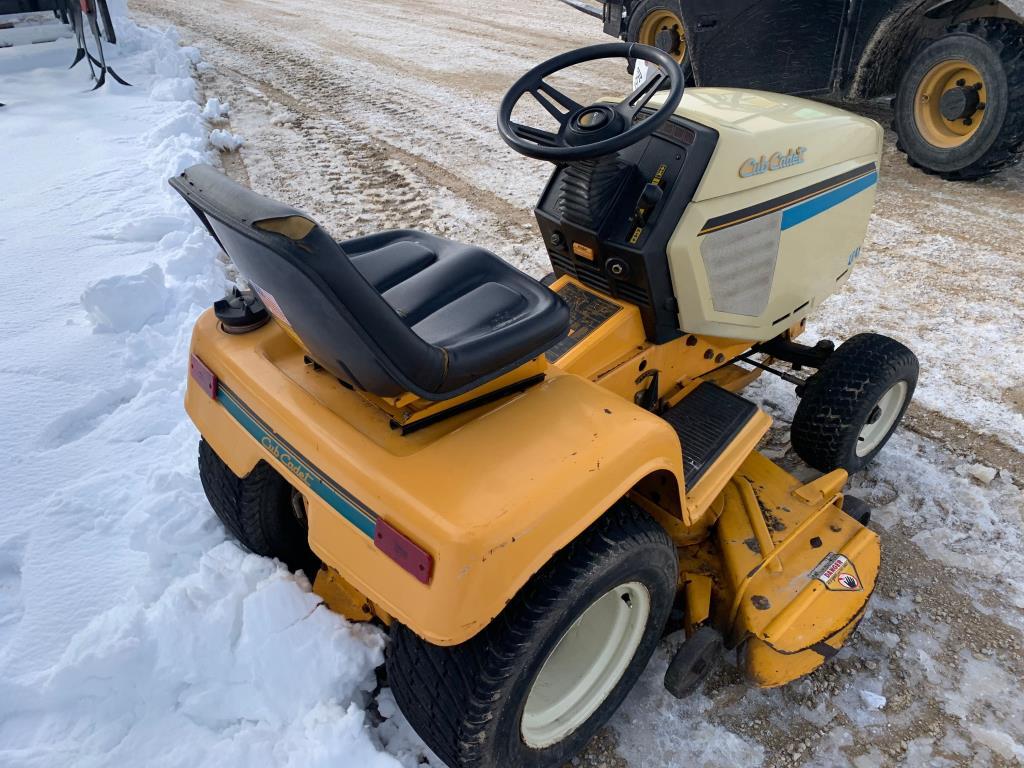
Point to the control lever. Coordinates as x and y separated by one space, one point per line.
649 199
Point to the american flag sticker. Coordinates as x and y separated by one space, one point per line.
270 303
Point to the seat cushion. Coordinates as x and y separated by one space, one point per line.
484 313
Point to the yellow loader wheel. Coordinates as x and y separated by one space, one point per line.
532 688
659 23
851 406
260 510
959 107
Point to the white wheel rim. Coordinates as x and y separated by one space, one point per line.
888 409
586 665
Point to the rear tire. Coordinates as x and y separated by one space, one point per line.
532 688
851 406
992 50
260 510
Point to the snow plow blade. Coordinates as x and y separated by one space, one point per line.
801 569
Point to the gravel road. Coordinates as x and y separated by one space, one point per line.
381 114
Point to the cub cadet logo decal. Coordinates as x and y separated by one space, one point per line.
344 503
286 458
777 161
838 574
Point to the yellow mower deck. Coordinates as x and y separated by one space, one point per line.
438 513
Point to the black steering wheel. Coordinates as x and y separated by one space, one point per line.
596 130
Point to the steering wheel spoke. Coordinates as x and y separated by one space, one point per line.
554 99
535 135
638 99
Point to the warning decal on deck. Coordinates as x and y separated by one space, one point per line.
838 574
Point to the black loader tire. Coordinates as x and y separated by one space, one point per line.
995 47
840 398
257 510
467 701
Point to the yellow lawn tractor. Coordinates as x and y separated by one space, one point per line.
528 482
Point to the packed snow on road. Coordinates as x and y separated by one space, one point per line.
133 632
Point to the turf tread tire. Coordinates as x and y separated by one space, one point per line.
824 429
1006 38
256 510
449 694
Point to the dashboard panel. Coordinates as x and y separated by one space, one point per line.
608 222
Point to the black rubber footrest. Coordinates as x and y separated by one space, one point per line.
707 420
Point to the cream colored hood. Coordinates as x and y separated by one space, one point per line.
767 137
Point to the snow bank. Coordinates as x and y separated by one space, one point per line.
131 632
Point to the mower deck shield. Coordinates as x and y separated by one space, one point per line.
800 569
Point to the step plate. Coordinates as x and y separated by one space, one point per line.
707 420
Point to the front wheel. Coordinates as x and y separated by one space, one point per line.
959 108
532 688
851 406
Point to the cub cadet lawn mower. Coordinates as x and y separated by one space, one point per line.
523 481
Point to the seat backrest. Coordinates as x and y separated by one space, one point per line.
309 283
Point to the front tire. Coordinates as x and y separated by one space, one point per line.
959 108
852 405
532 688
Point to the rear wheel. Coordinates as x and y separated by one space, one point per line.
534 686
261 510
959 108
851 406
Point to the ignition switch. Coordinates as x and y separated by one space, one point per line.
617 268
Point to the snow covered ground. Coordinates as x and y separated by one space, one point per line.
131 632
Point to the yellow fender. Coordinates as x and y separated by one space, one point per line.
491 495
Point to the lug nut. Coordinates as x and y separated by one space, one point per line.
961 82
967 121
977 86
981 106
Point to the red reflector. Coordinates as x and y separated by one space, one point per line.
400 549
203 376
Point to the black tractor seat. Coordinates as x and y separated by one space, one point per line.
388 313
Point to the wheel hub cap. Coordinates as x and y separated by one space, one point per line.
958 103
668 40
